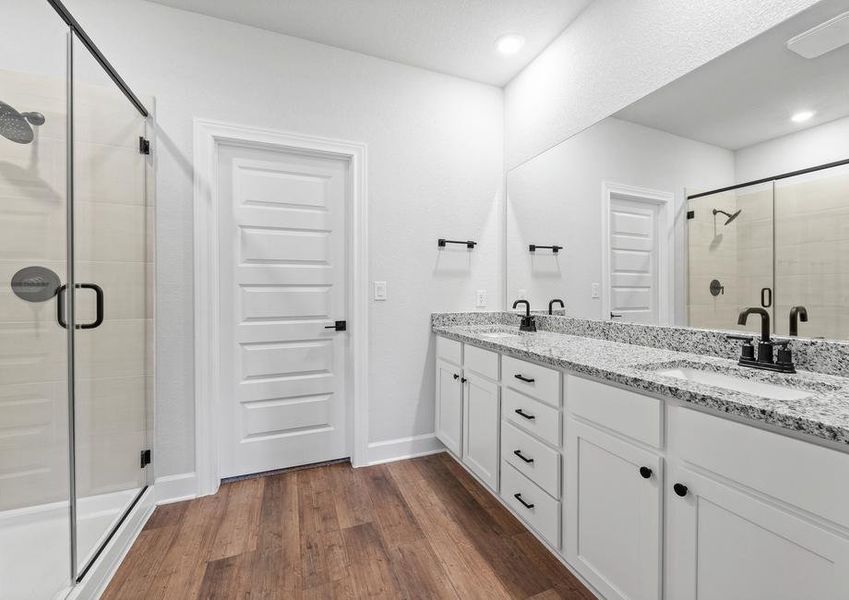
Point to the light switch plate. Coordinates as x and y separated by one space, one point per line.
380 290
596 290
480 299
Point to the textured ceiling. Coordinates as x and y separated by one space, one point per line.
450 36
748 95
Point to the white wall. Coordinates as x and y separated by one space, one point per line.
814 146
435 170
556 198
618 51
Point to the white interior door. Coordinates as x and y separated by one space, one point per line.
283 283
633 288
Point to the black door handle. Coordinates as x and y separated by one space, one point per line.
338 326
766 297
680 489
522 413
645 472
99 305
521 377
518 497
522 456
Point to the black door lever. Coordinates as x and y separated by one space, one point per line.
338 326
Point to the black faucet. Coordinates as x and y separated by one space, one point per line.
551 304
797 313
765 359
528 323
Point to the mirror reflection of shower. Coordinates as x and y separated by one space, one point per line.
16 126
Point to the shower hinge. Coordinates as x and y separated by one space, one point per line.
145 458
144 145
691 214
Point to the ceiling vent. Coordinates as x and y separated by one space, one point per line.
823 38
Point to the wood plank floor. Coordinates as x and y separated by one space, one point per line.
421 528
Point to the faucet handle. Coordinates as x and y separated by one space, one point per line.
747 351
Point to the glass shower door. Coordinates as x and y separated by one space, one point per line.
812 252
35 527
112 305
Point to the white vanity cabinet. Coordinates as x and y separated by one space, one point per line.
468 406
480 428
614 511
648 498
448 425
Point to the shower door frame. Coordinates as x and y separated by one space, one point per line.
123 532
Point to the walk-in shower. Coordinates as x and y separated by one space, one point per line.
729 216
76 314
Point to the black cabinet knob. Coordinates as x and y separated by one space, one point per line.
463 380
456 376
645 472
680 489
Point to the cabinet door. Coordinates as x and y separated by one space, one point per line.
613 513
725 543
449 405
480 431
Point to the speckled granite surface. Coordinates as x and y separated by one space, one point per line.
830 357
824 413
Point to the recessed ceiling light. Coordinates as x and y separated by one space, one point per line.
509 43
802 116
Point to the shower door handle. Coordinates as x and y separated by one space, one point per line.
766 297
99 305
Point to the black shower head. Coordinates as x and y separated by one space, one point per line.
730 216
15 126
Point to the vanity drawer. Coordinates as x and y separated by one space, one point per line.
532 415
631 414
534 506
534 380
810 477
483 362
540 464
449 350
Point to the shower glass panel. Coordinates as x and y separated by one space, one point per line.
35 526
731 257
812 251
112 304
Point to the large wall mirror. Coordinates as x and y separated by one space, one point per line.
727 188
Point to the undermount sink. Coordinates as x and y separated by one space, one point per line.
500 334
737 384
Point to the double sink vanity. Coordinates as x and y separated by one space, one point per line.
652 473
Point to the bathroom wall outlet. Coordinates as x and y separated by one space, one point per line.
380 290
480 299
596 290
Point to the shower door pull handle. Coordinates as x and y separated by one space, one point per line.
99 306
766 297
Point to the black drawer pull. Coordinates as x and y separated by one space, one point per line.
456 376
680 489
521 377
522 413
645 472
518 497
522 456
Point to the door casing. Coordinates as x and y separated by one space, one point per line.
208 136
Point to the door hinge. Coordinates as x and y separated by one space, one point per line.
691 214
145 458
144 145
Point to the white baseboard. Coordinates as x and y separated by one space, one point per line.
103 569
401 448
175 488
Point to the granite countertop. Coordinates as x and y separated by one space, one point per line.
823 414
